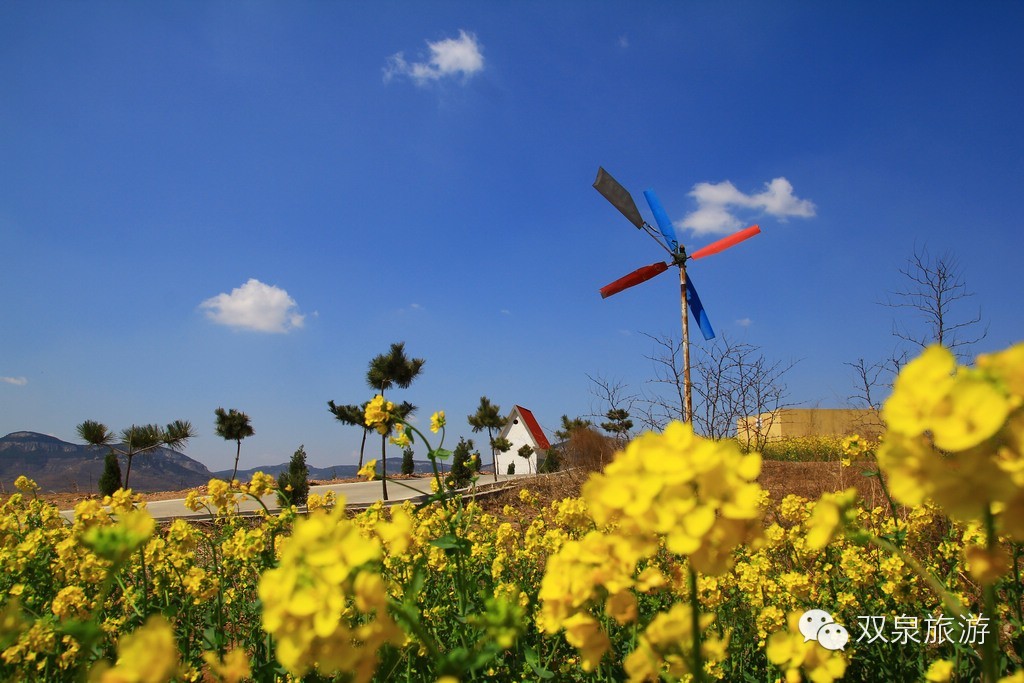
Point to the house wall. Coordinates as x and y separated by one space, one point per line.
797 422
519 435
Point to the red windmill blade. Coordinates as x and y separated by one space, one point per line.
636 277
726 242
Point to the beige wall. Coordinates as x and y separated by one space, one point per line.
795 422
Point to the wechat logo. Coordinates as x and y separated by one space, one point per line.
817 624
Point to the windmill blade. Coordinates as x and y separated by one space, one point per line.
618 196
636 277
697 309
664 224
726 242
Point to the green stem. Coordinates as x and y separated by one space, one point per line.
1016 601
410 618
990 646
888 497
698 656
940 590
430 453
145 583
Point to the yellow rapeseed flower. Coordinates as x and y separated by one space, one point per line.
232 669
378 414
790 651
26 485
700 495
369 470
956 436
437 421
939 671
147 655
323 615
830 514
401 437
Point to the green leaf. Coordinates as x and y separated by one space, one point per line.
441 454
415 585
82 631
447 542
533 660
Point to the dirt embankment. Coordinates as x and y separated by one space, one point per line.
807 479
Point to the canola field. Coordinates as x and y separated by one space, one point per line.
673 564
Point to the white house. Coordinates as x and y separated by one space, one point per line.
521 429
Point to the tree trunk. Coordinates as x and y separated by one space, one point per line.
362 447
384 465
238 453
494 453
383 459
128 472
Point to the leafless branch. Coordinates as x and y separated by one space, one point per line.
731 380
935 291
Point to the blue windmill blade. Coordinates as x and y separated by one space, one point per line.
698 311
664 224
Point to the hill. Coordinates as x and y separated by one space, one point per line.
57 465
325 473
62 467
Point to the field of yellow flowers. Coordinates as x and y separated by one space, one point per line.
673 564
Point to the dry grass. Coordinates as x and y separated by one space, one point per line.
806 479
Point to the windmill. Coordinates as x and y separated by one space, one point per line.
623 201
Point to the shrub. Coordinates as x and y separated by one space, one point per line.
511 468
588 450
296 477
551 463
110 480
461 473
408 466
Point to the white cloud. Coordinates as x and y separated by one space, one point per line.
411 308
623 42
16 381
717 202
744 322
462 56
256 307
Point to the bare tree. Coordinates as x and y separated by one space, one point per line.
732 381
615 406
935 294
867 383
667 399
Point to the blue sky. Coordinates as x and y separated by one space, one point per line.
238 205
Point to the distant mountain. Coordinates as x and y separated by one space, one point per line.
323 473
61 466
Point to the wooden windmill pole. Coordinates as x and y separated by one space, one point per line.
687 386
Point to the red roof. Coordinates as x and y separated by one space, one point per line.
534 427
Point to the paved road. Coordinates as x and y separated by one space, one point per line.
356 493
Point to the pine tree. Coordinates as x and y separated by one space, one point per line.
408 466
110 480
525 451
233 425
499 446
487 417
136 439
618 424
461 473
296 477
